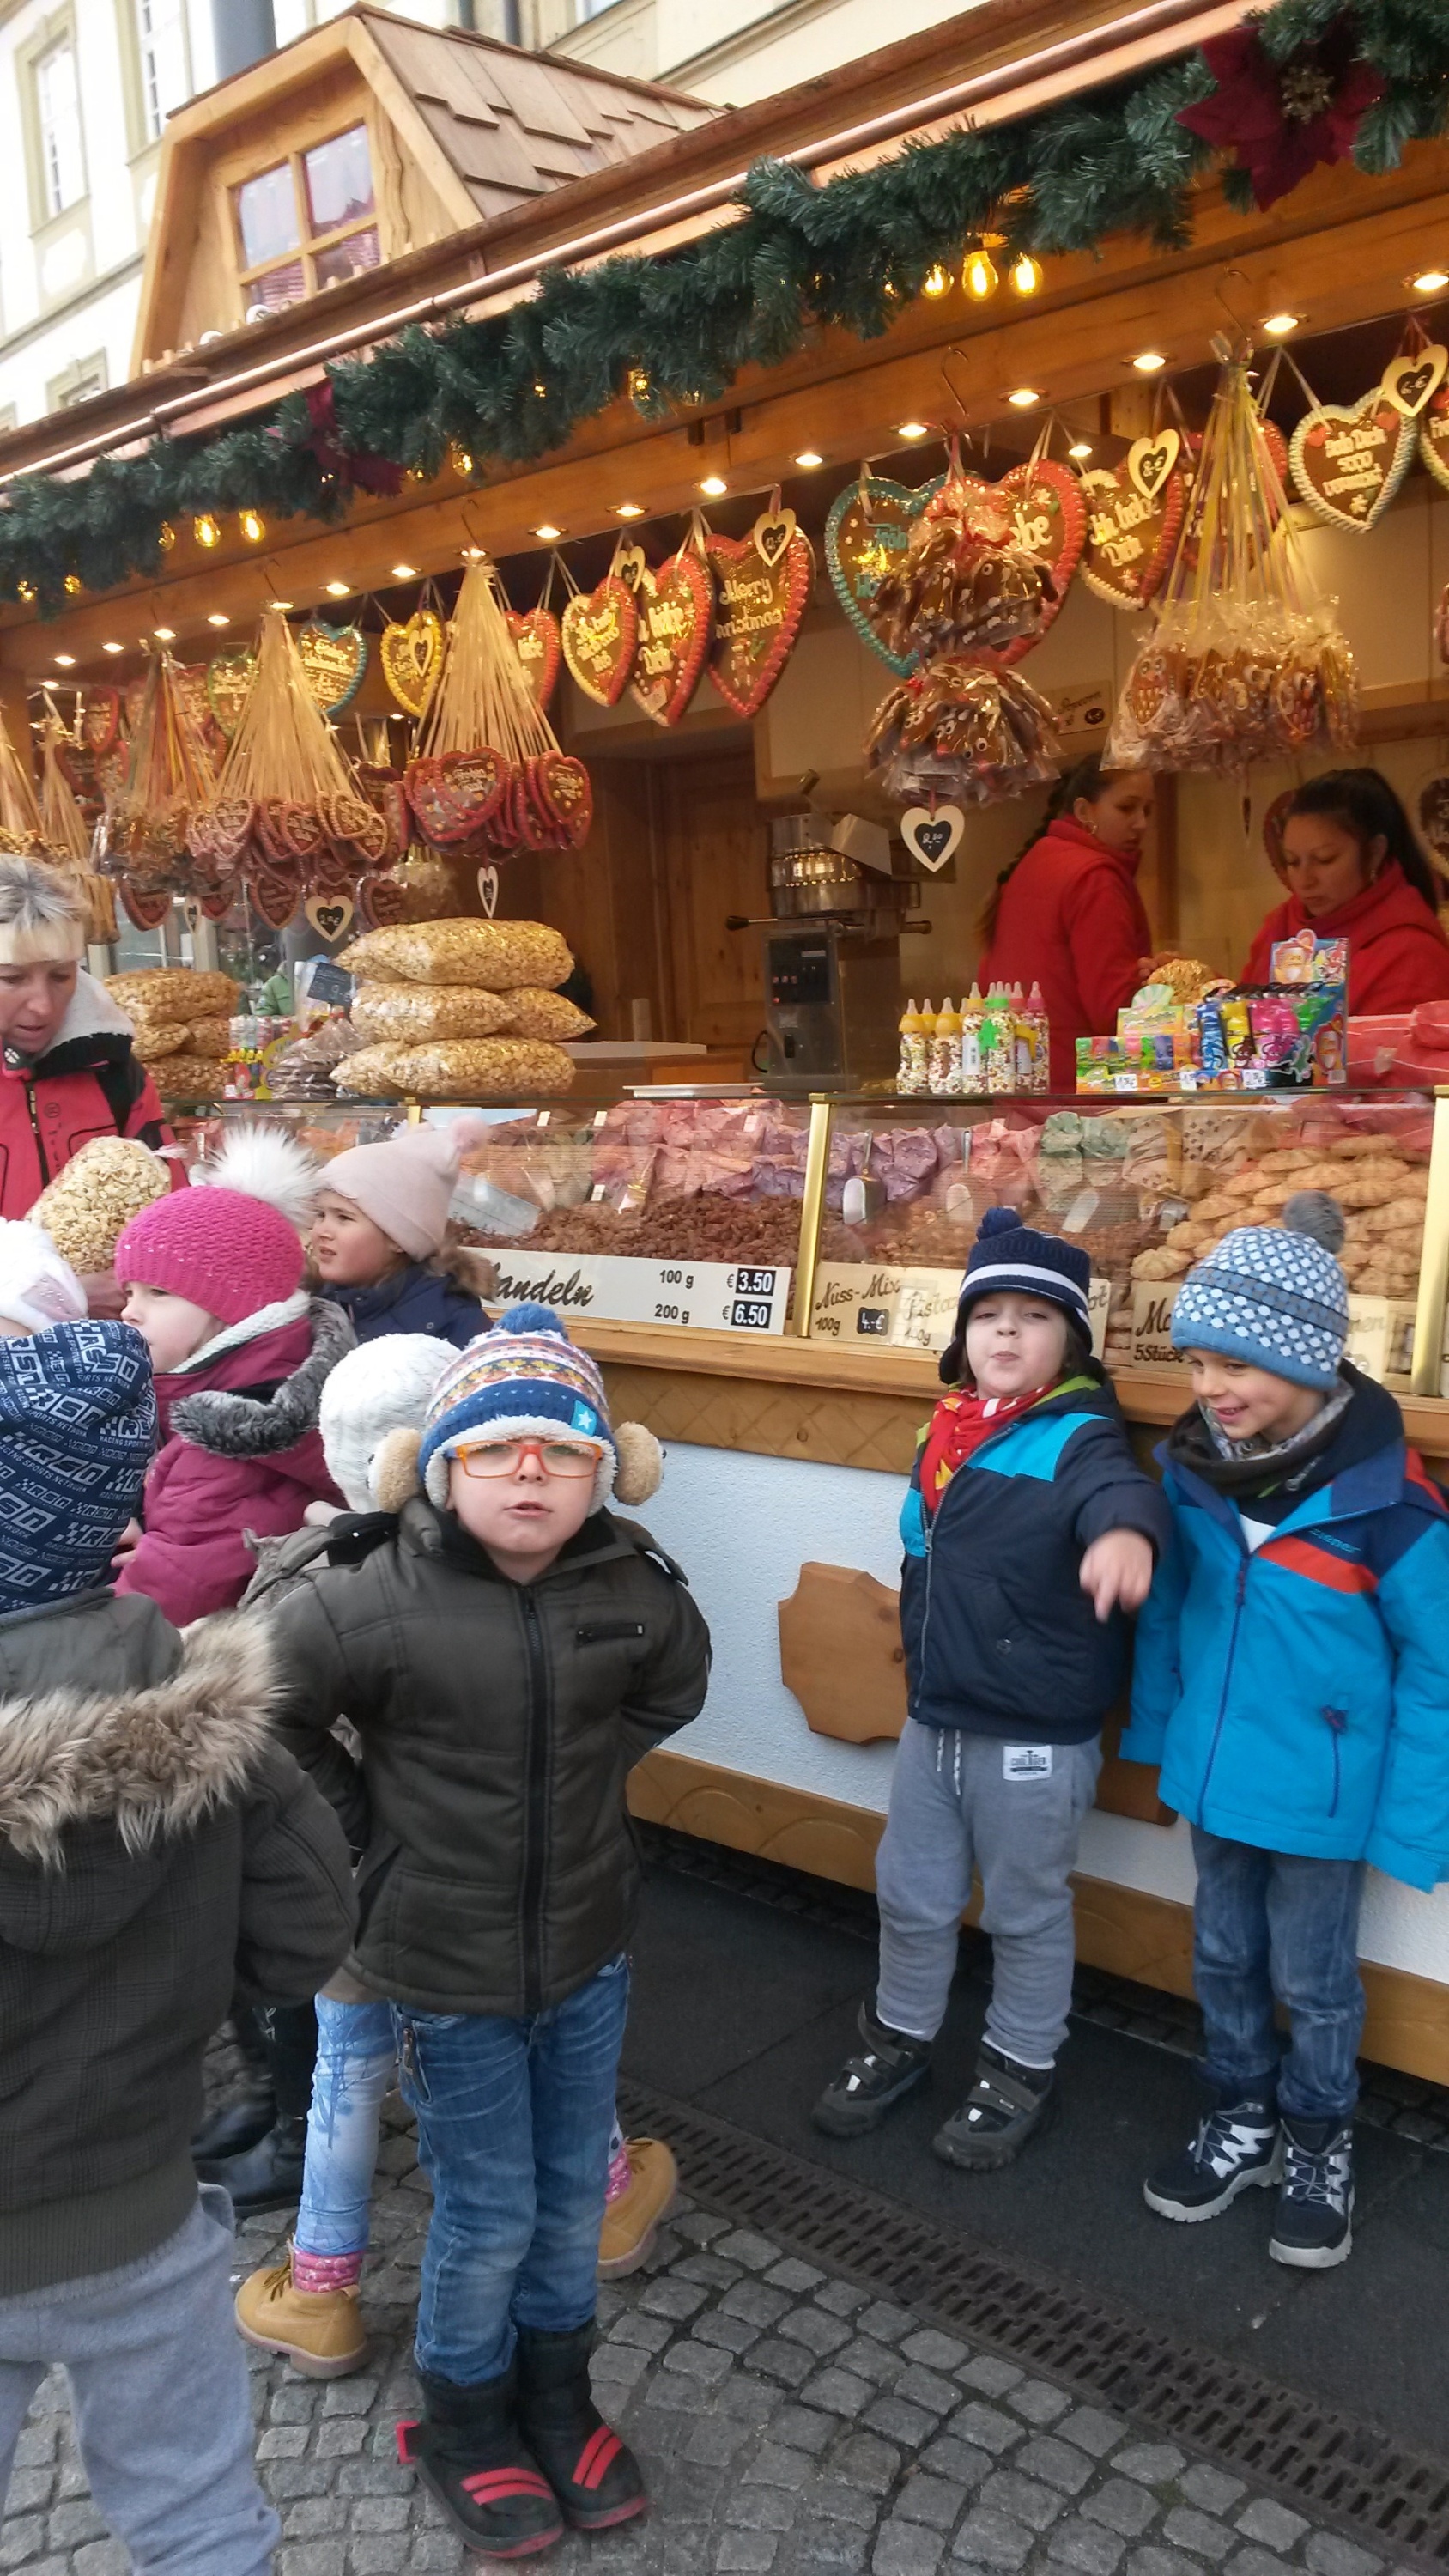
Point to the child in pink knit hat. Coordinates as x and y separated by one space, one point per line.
213 1280
380 1239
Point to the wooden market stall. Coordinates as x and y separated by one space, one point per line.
788 1447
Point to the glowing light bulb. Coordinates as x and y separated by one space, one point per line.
548 534
808 459
73 585
253 526
714 487
1278 325
628 510
206 530
937 281
1026 275
1149 362
113 648
404 572
218 617
164 634
979 276
913 429
339 590
1080 450
1430 281
65 661
1022 397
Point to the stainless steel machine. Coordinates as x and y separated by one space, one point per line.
833 996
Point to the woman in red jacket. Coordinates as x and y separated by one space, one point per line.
67 1069
1067 914
1355 871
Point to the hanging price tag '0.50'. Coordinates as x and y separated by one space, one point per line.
710 1296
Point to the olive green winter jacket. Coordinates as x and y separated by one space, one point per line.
498 1723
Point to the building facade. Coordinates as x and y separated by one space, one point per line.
87 86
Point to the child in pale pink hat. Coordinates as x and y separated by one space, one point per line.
241 1353
380 1239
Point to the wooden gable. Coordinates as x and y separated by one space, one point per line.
457 127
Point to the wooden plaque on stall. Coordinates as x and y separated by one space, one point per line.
841 1653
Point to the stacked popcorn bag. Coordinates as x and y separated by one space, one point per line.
461 1010
182 1017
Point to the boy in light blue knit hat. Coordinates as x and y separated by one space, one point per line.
1292 1679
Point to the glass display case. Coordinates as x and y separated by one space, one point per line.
848 1220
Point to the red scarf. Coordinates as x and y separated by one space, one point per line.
959 1425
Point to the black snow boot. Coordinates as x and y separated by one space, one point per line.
1313 2228
469 2450
886 2066
268 2175
594 2475
1007 2104
233 2125
1238 2147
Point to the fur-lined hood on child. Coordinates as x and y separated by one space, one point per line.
155 1843
240 1455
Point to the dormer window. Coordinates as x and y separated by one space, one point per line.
306 223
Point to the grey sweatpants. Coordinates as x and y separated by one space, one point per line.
1014 1812
159 2392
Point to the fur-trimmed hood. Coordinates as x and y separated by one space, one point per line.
153 1759
233 1423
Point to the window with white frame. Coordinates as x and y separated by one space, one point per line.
165 67
57 110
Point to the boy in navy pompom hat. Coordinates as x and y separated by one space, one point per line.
1029 1533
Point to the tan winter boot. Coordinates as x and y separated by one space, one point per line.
320 2331
631 2222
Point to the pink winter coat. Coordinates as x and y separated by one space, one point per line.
240 1452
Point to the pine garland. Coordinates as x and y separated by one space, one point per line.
676 329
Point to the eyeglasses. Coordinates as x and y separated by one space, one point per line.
566 1459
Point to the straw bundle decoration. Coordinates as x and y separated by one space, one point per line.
489 776
1246 660
287 813
170 778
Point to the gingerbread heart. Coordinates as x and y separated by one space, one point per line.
675 605
1349 459
411 657
382 902
229 678
100 718
334 659
147 911
536 642
273 896
1434 436
303 829
271 831
232 822
599 633
866 533
760 602
216 905
563 789
344 817
1132 525
1049 521
453 795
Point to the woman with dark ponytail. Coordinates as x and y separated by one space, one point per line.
1067 914
1354 870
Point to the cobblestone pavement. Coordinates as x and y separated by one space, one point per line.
790 2425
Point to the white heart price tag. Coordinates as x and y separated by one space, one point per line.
933 838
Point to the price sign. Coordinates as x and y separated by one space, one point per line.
908 1309
712 1296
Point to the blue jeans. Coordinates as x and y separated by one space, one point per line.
514 2119
1272 1926
356 2055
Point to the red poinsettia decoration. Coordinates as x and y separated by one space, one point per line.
1281 118
355 467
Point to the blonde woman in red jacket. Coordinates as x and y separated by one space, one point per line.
1354 870
1067 914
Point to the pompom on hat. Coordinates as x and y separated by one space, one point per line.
1273 1295
525 1380
1009 1257
232 1242
37 1288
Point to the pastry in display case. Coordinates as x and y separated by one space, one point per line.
1147 1189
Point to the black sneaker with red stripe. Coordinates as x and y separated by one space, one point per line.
469 2450
594 2475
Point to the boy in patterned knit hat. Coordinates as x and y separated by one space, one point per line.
1029 1533
1292 1679
506 1651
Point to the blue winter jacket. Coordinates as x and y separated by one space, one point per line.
1298 1698
414 1300
999 1636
